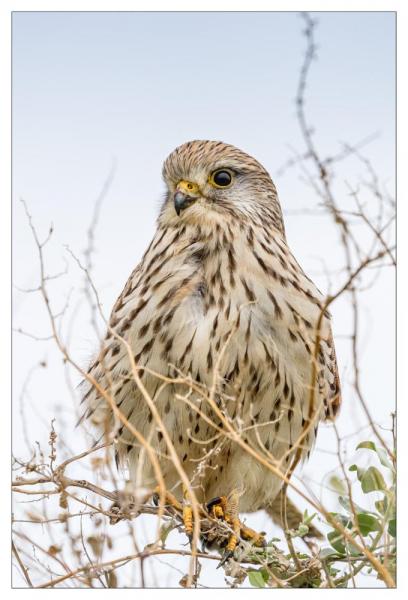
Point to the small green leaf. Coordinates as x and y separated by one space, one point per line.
381 505
343 519
341 545
308 518
368 444
336 540
345 503
367 523
333 572
303 529
384 460
272 541
256 579
372 481
337 484
360 472
381 453
326 552
392 527
165 530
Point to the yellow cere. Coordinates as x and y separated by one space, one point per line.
188 187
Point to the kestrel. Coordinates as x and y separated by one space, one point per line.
219 303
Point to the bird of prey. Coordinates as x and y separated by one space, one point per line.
231 340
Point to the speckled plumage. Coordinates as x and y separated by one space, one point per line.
218 278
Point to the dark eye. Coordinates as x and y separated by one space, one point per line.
221 178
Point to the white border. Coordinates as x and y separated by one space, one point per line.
6 8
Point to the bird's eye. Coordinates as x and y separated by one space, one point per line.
221 178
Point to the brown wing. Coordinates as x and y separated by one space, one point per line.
334 395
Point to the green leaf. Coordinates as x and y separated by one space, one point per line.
368 444
337 484
256 579
381 505
392 527
360 472
351 549
336 540
326 552
165 530
381 453
343 519
272 541
345 503
384 460
367 523
303 529
308 518
372 481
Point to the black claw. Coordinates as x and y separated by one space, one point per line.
156 499
213 502
227 555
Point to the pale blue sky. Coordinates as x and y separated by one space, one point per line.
93 88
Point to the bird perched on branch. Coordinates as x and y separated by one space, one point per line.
230 341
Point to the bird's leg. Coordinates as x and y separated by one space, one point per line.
187 514
169 499
217 508
227 508
184 509
257 539
231 516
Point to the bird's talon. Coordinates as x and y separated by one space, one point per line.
212 503
169 499
188 521
217 507
226 556
250 535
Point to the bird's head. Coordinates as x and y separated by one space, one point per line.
208 181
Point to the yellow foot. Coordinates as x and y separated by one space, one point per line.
256 538
169 499
184 509
187 515
227 508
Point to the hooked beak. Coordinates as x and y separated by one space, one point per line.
182 201
186 194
